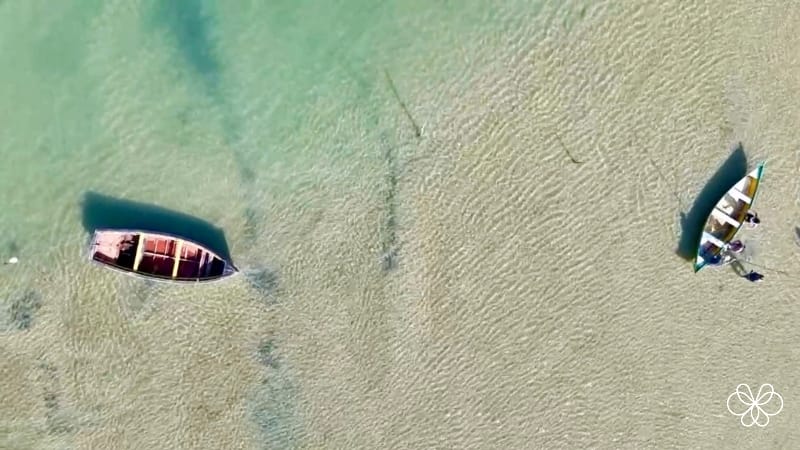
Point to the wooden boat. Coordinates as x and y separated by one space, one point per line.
158 256
726 219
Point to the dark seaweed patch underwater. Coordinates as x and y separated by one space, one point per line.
273 405
21 307
189 24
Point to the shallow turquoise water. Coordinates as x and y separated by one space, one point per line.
140 100
272 121
472 288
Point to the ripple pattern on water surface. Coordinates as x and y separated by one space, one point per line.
508 279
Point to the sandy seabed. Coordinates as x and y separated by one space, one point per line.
470 288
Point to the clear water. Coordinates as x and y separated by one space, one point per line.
465 288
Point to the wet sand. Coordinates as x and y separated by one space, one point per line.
475 287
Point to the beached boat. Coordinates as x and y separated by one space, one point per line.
726 219
158 256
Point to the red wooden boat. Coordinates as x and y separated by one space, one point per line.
158 256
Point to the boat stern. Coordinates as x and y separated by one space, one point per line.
699 263
94 243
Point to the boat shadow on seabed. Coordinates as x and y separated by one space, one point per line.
102 211
693 221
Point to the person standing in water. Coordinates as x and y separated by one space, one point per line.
751 218
736 246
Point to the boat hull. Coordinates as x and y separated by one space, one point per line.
725 220
158 256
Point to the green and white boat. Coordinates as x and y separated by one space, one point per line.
726 218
